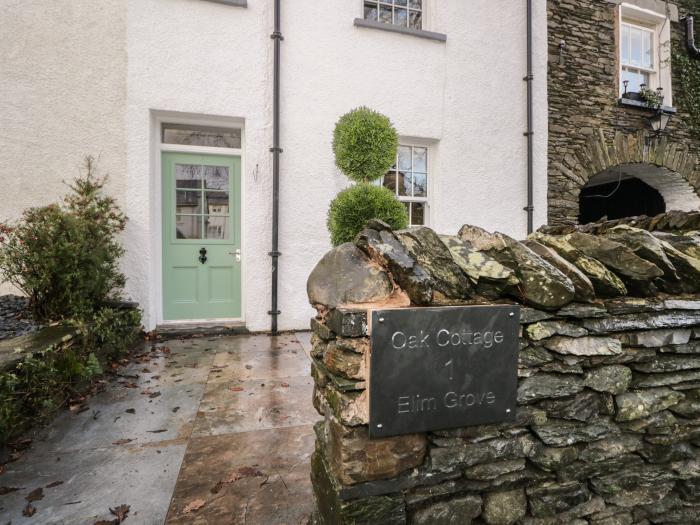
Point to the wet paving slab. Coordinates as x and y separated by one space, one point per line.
207 430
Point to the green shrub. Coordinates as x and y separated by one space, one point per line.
364 143
111 330
353 207
65 257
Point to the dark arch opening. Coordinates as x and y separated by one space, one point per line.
628 197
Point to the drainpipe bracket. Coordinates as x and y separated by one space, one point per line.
529 133
276 150
529 208
276 36
529 78
274 254
274 312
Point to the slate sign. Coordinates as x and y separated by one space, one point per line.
441 368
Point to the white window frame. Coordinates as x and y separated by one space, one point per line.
660 27
651 72
426 18
426 201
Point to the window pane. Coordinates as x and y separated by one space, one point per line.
188 201
188 226
408 211
217 228
216 177
390 181
636 47
405 158
201 136
188 176
647 57
370 10
420 160
400 17
385 15
216 203
625 43
404 184
401 2
415 20
418 4
417 214
420 185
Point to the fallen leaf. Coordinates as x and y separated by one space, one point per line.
176 409
244 472
122 441
28 511
237 389
285 385
193 505
8 490
121 512
154 394
130 411
157 431
35 495
54 484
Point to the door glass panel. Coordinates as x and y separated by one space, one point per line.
201 136
217 227
216 177
188 202
188 226
188 175
217 203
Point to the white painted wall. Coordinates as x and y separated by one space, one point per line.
62 96
192 57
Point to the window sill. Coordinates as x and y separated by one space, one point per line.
420 33
236 3
638 104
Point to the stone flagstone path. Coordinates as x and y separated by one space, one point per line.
215 431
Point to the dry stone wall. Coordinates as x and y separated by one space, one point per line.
608 421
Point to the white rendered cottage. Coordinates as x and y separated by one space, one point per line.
177 98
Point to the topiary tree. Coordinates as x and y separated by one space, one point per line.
353 207
365 144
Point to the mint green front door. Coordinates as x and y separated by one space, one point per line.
201 236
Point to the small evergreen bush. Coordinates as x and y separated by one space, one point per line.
364 143
65 257
353 207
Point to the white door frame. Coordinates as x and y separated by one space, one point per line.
158 118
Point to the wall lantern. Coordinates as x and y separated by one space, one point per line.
660 119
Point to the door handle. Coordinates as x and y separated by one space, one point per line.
203 255
236 254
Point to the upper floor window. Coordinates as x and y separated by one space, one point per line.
408 178
638 67
404 13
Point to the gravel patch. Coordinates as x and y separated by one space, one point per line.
14 317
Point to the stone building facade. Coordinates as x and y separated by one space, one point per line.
604 159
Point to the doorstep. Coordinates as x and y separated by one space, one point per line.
203 328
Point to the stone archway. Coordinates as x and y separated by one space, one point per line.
675 171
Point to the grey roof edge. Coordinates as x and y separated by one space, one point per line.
421 33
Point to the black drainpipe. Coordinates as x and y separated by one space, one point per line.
693 50
276 150
530 208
